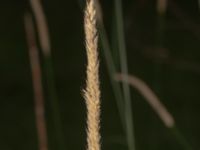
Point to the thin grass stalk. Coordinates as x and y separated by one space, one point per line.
92 90
110 64
156 104
111 71
37 83
44 39
124 69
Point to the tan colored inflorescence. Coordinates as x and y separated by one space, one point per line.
92 91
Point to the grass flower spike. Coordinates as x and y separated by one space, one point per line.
92 91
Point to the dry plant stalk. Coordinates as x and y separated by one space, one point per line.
37 82
150 97
42 26
92 91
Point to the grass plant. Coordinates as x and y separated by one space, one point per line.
92 91
124 69
112 69
93 18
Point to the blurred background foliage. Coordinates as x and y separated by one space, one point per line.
171 69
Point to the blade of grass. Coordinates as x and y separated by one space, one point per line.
37 82
110 63
124 69
156 104
51 88
111 71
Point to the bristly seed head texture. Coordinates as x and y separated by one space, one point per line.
92 91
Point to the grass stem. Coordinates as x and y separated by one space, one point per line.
124 69
37 83
51 88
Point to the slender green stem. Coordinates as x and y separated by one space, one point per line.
112 71
124 69
54 103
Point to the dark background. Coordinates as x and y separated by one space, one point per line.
172 71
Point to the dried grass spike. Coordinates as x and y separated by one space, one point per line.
92 91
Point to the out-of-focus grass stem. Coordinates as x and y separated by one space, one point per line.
111 71
124 69
51 88
37 83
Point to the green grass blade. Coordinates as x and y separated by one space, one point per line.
52 95
124 69
111 71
